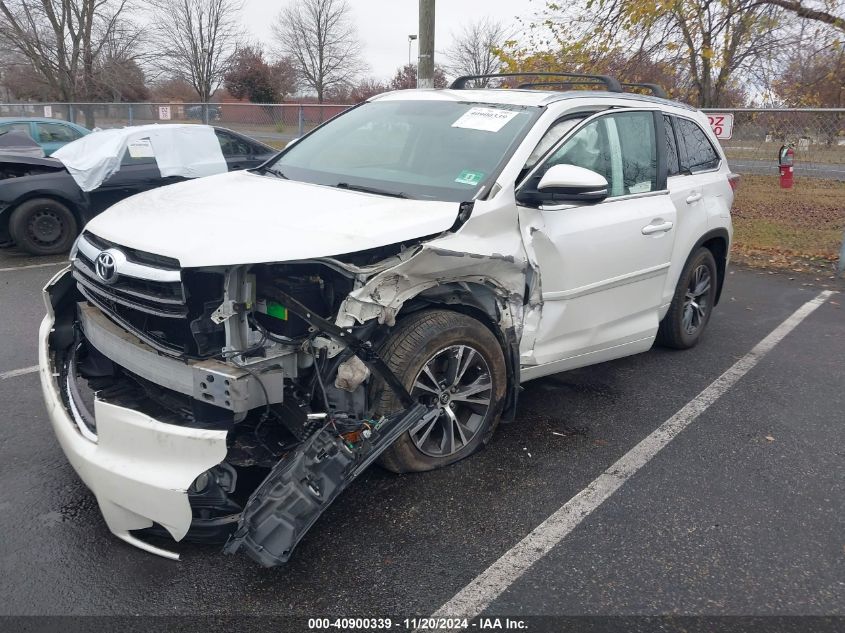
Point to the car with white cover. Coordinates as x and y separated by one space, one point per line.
224 356
44 202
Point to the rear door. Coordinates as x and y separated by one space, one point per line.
602 266
696 186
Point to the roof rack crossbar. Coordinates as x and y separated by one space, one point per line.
609 82
656 90
562 84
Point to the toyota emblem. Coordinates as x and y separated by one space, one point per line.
105 268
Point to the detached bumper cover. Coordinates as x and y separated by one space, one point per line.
138 468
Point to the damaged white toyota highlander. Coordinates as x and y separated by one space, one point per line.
224 356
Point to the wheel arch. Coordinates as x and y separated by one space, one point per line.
61 198
481 303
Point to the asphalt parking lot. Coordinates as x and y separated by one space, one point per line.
742 513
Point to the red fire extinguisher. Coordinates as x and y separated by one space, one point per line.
786 161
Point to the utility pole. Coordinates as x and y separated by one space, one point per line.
425 67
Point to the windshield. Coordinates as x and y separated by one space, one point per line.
438 150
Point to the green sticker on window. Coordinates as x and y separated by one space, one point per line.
468 177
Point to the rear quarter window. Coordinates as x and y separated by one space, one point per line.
699 154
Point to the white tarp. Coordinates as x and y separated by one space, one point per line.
187 150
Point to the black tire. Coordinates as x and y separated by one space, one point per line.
692 303
431 339
43 226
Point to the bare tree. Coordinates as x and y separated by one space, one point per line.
830 12
473 51
320 37
63 40
197 39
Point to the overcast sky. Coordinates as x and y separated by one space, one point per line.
384 25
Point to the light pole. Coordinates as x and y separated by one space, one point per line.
411 39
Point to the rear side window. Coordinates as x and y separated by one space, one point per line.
56 133
673 161
699 154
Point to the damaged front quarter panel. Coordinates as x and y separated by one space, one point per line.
428 266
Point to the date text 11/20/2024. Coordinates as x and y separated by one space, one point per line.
416 624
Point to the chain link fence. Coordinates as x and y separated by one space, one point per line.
817 136
274 124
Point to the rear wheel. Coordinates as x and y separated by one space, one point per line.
692 304
42 226
451 361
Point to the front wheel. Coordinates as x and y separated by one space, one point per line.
43 226
452 361
692 303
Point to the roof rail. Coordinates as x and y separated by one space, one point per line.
609 82
656 90
560 84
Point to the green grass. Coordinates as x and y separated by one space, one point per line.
797 229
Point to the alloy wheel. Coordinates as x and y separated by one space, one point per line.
457 379
697 299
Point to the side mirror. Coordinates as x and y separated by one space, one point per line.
572 183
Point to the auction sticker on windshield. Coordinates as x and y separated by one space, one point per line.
485 119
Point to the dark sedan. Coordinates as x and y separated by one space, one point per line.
43 208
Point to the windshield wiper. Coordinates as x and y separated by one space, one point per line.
365 189
272 172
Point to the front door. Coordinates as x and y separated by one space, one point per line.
602 266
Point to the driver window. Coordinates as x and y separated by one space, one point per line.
620 147
231 145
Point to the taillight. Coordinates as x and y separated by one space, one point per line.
733 179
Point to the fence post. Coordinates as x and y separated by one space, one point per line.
301 121
71 114
130 114
205 113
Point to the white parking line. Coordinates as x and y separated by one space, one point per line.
11 268
471 601
18 372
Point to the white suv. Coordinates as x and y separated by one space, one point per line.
225 355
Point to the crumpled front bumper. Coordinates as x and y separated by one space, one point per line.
138 468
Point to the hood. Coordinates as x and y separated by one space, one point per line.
246 218
20 144
21 159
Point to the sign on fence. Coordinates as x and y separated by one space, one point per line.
48 112
164 113
722 124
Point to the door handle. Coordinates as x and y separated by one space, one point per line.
694 198
663 227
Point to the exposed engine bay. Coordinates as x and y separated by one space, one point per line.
253 351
